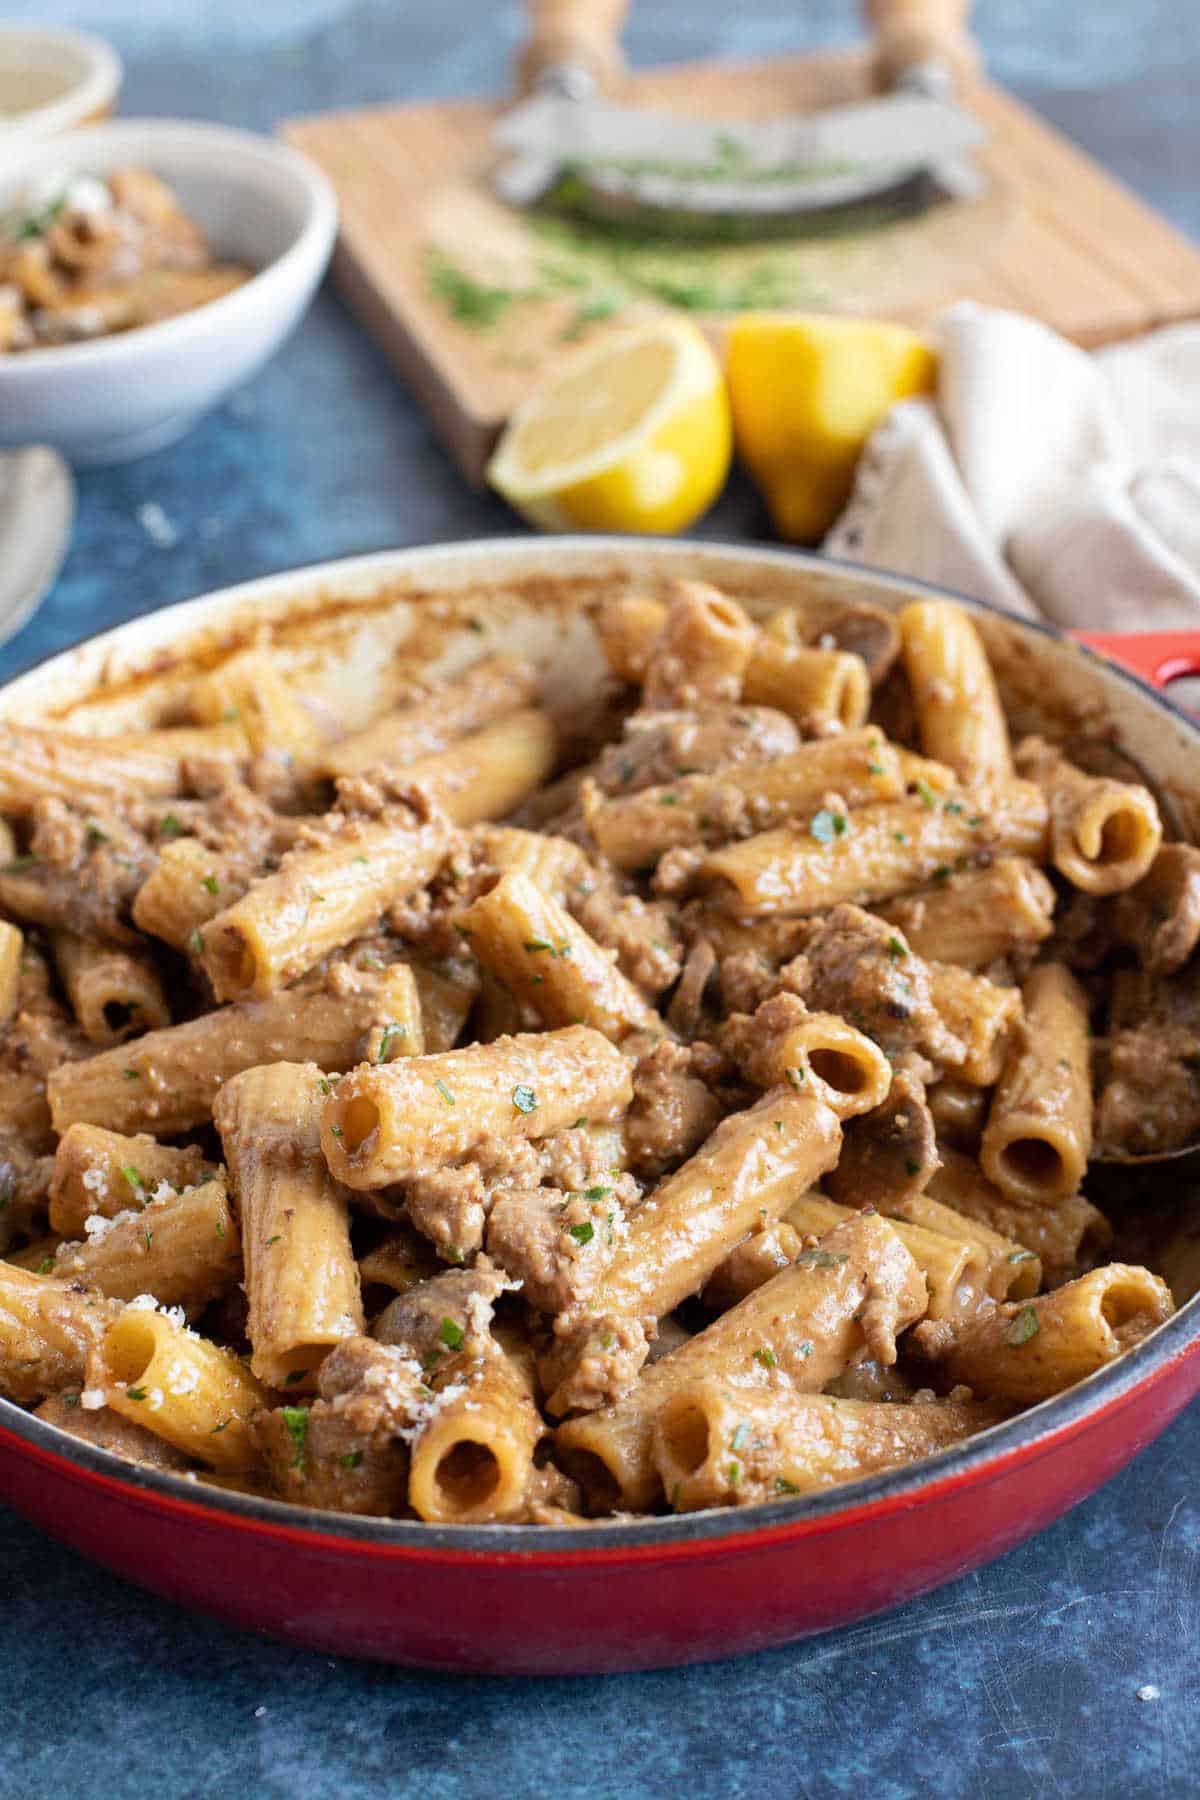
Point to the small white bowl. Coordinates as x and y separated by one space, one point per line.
53 80
115 398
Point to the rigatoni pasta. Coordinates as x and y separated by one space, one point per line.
585 1095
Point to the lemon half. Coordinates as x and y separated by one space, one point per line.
631 433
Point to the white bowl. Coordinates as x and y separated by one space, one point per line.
57 78
114 398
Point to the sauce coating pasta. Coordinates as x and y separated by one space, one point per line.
469 1115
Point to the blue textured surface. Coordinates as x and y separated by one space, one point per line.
1021 1680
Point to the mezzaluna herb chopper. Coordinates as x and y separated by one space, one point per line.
569 147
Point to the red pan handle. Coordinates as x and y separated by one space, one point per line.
1157 656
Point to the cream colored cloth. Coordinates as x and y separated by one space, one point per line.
1059 484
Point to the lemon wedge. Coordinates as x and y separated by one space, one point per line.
807 392
631 433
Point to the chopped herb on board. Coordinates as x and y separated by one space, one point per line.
1023 1327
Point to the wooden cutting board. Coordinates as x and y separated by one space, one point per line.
470 300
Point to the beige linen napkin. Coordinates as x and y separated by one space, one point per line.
1058 484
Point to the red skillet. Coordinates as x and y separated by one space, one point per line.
658 1591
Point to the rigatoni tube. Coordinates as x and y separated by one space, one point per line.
976 917
301 1276
873 854
166 1082
860 767
1104 834
182 1248
549 962
177 1385
114 994
959 714
487 775
714 1446
473 1460
384 1124
103 1173
1039 1131
325 893
1027 1350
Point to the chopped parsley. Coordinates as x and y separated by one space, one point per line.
925 793
132 1074
211 883
444 1091
95 834
669 800
896 949
170 825
451 1334
524 1098
580 1122
351 1460
389 1032
197 942
734 1473
295 1376
272 1240
220 1228
941 874
149 1237
783 1486
797 1077
828 825
900 837
766 1356
911 1167
295 1419
596 1193
874 768
583 1234
135 1393
45 1266
134 1179
535 944
1023 1327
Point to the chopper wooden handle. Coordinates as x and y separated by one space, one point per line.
562 33
908 33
